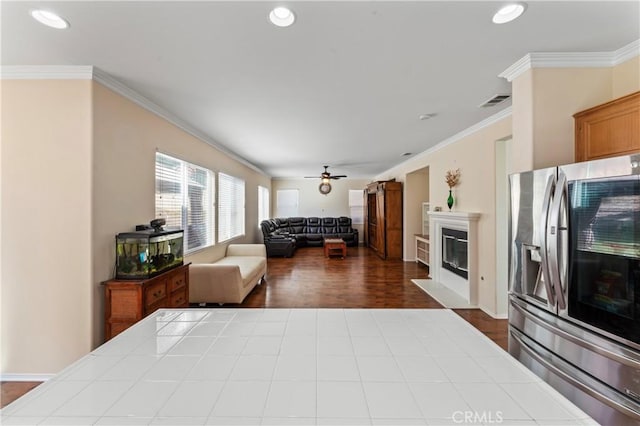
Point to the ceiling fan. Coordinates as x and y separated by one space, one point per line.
325 186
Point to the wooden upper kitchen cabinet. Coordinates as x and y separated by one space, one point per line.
609 130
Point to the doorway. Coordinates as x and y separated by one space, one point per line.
416 193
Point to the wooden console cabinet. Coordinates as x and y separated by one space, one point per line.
128 301
608 130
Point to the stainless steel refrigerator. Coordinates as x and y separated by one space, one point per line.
574 292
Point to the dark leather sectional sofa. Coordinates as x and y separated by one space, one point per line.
283 235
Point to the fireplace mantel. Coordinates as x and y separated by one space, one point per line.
461 221
456 216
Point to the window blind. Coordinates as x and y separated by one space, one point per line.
184 198
287 203
263 204
230 207
356 206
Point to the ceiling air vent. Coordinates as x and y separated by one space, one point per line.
495 100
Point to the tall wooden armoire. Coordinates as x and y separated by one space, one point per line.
383 218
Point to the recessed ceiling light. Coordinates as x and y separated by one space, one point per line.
426 116
508 13
282 17
49 19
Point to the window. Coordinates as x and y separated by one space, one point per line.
263 204
287 203
184 198
356 206
230 207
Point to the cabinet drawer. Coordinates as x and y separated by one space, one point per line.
179 300
177 281
155 292
128 301
124 304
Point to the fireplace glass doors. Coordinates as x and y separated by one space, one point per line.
454 251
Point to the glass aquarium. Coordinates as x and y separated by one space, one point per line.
147 253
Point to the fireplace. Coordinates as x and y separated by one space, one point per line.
454 252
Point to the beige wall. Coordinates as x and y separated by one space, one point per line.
86 157
46 224
126 138
475 156
522 119
558 94
313 204
626 78
545 100
416 192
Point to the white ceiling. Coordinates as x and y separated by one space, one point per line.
343 86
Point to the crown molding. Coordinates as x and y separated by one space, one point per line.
627 52
571 60
455 138
471 130
140 100
75 72
520 66
46 72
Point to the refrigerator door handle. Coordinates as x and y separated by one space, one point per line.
629 408
557 277
621 358
544 264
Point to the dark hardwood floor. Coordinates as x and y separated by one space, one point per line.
361 280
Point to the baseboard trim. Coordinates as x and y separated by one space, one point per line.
493 314
25 377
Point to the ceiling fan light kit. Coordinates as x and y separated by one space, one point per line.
325 186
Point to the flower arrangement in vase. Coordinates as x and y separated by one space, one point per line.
453 178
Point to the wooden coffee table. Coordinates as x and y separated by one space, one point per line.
333 245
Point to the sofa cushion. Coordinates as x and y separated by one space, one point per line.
344 221
312 230
314 221
282 222
250 266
